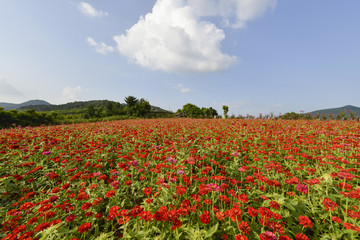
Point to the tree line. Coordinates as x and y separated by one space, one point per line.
79 112
134 107
25 118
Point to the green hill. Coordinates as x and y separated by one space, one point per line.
11 106
67 106
79 105
345 110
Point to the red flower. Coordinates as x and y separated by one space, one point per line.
110 194
70 218
265 212
241 237
26 206
32 220
84 228
45 207
42 226
176 223
351 227
180 190
244 227
224 198
146 215
329 204
97 201
123 220
345 175
305 221
220 215
86 206
26 235
82 196
274 205
19 229
284 238
205 217
252 212
301 236
50 214
243 198
336 219
113 212
147 191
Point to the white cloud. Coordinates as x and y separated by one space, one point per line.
90 11
183 89
100 47
70 94
235 13
6 88
175 38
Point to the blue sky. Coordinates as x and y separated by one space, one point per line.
256 56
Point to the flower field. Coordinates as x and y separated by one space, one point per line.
181 179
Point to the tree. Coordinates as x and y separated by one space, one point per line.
90 112
226 110
131 102
209 112
142 108
109 108
192 111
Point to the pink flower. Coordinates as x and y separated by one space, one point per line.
70 218
213 187
235 154
302 188
268 236
53 198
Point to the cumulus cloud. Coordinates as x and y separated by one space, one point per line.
183 89
100 47
174 37
235 13
70 94
6 88
90 11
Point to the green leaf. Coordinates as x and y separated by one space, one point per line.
212 231
286 213
289 206
156 229
294 202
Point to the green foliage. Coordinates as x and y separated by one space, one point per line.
226 110
192 111
142 107
209 112
136 107
79 112
28 118
348 111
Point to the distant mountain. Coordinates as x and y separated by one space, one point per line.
10 106
335 111
79 105
67 106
